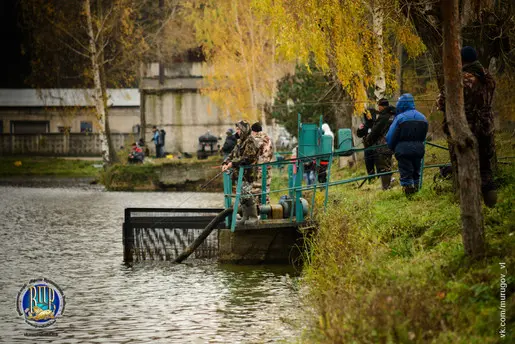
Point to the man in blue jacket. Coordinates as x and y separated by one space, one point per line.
406 138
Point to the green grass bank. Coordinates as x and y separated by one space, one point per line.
19 166
385 269
154 174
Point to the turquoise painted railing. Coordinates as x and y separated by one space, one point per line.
295 187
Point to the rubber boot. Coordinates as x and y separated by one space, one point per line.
490 198
241 220
385 182
409 190
252 214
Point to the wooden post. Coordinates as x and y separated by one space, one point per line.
128 238
463 140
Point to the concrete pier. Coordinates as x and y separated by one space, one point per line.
270 242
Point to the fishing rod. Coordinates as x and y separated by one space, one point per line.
212 179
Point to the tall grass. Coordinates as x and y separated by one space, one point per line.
385 269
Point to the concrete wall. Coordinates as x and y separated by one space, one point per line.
264 245
184 116
57 144
178 107
121 119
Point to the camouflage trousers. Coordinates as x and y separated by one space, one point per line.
246 191
257 184
487 156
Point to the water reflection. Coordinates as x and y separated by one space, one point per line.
73 237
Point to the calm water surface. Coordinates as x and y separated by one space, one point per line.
73 237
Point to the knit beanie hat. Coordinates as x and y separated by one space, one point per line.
256 127
468 54
383 102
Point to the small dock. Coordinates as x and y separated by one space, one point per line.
163 234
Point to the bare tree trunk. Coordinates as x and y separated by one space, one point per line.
398 72
99 102
465 143
160 50
377 26
243 55
113 157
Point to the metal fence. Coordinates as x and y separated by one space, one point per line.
59 144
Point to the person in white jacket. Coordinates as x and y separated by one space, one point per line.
324 162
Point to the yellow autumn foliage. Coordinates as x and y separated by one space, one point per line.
239 45
340 37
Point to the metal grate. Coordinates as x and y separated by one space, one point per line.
163 234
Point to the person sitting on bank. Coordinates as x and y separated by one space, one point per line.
144 148
136 155
406 138
377 136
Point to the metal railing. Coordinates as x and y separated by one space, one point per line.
295 178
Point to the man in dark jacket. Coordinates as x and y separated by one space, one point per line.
230 142
478 91
155 138
369 118
161 140
377 137
245 153
406 138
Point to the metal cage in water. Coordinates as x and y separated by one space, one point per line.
163 234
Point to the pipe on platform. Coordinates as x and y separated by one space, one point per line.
209 228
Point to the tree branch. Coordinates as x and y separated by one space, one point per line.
75 50
59 27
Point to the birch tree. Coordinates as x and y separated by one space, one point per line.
96 44
239 46
344 38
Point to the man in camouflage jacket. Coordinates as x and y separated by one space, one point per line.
244 154
265 155
478 90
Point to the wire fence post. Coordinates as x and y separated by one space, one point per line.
422 169
299 214
264 176
237 199
291 181
328 175
227 195
313 198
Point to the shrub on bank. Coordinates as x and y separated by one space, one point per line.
130 177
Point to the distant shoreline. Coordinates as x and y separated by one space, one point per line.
49 181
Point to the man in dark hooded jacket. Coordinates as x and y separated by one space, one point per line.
245 153
369 118
406 138
377 137
230 142
478 91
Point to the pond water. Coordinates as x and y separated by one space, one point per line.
73 236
